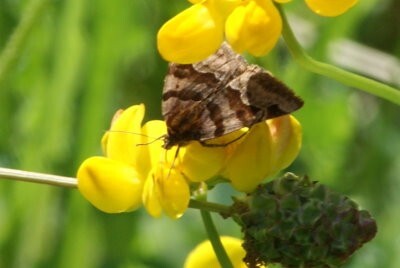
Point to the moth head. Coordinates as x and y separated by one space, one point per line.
170 141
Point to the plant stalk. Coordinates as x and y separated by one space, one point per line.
348 78
209 206
214 238
21 175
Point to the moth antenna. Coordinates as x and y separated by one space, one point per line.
139 134
132 133
150 142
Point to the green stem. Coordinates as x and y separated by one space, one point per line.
345 77
209 206
18 38
213 236
42 178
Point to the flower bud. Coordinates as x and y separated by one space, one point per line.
299 223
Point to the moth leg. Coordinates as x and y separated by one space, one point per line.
150 142
173 160
205 144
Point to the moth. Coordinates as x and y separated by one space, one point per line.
219 95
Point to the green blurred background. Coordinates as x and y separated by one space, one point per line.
80 61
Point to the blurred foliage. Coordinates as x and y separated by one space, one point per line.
80 61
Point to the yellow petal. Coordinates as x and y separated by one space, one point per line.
175 193
254 27
198 162
124 135
282 1
191 36
286 141
250 161
203 255
104 139
168 190
151 152
330 8
109 185
151 197
225 7
104 142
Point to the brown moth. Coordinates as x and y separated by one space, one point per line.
219 95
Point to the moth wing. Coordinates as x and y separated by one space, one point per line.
184 87
250 98
270 96
225 112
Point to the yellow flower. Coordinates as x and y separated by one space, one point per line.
203 255
248 25
112 183
120 181
138 171
268 148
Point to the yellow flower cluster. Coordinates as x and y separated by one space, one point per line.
248 25
137 171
